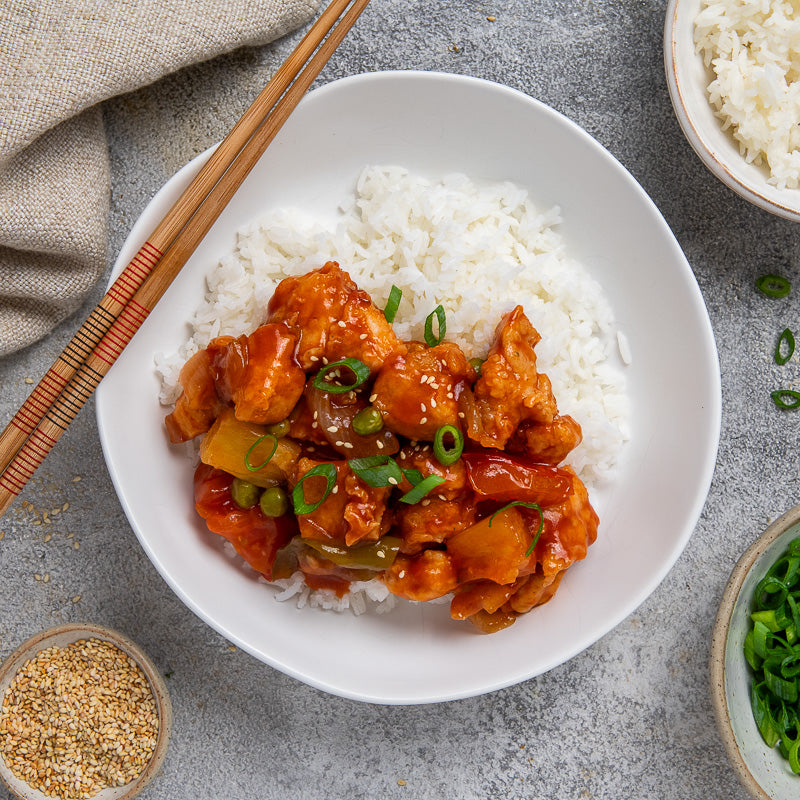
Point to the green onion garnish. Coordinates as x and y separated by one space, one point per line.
328 471
772 650
421 488
392 304
786 399
444 455
414 476
535 507
377 471
253 447
773 285
783 354
359 369
476 364
430 339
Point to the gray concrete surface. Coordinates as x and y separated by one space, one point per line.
628 718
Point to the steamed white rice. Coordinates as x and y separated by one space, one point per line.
753 48
477 250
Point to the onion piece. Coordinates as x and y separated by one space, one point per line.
334 415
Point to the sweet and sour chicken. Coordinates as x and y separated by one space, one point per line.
333 448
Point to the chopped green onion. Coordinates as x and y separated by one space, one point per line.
328 471
359 369
377 471
414 476
392 304
448 455
786 399
476 364
783 354
774 657
421 488
253 447
430 339
535 507
773 285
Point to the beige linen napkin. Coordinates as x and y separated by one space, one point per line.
58 60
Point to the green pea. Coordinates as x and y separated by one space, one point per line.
274 502
244 493
367 421
279 428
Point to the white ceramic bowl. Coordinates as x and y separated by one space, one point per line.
762 770
436 124
687 80
62 636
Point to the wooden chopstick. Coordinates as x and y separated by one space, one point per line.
74 376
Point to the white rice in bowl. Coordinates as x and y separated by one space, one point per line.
753 48
477 250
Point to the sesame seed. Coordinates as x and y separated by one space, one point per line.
423 420
363 336
423 379
380 444
335 490
461 415
433 403
332 429
341 323
313 358
373 398
91 708
339 444
401 574
348 445
422 407
392 480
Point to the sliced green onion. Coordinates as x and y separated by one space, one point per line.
392 304
377 471
786 399
328 471
784 349
794 756
430 339
535 507
448 455
773 285
253 447
359 369
414 476
763 716
771 651
421 488
476 364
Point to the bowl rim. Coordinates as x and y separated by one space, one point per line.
719 640
76 631
715 162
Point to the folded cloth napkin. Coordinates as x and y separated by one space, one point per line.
58 60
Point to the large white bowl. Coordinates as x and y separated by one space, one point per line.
435 124
687 80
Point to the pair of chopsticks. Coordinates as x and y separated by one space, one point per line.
73 377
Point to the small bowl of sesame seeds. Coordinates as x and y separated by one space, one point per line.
84 713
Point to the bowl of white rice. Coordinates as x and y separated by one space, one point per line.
477 197
734 81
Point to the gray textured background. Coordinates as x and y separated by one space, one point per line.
628 718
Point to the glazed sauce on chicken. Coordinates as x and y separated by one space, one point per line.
333 448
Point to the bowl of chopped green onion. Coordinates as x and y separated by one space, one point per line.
755 663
